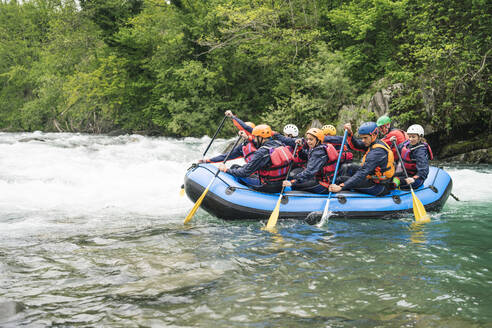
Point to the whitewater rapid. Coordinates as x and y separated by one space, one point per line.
46 175
46 178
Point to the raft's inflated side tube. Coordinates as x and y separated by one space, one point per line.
229 199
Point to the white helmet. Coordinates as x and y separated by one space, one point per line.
291 129
416 129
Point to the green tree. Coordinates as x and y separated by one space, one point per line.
447 62
23 29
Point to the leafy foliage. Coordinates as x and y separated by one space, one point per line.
174 67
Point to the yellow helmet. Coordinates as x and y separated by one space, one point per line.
317 133
329 130
250 124
262 130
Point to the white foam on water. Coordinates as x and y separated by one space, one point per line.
77 175
470 184
46 176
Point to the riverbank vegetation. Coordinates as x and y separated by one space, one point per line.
173 67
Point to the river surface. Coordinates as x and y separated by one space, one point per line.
92 235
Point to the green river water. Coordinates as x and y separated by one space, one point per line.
92 235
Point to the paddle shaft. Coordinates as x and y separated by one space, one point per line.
327 205
272 221
418 208
339 157
215 135
402 163
200 199
290 167
228 154
182 191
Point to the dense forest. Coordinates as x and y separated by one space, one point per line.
173 67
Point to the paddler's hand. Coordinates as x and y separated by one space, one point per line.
286 183
409 180
222 167
335 188
393 138
243 134
228 113
299 141
348 127
202 160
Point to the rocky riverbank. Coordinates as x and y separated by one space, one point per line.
468 147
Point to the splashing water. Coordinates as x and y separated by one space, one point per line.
91 234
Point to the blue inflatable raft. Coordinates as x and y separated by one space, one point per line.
229 198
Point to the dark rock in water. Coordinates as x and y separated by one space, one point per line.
474 157
9 309
475 151
31 139
313 218
462 147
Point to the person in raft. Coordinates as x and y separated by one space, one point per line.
288 138
331 138
415 154
386 131
374 174
244 149
270 159
321 162
290 131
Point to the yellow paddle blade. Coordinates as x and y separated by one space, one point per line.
197 205
182 192
419 210
272 221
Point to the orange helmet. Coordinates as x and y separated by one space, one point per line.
250 124
262 130
317 133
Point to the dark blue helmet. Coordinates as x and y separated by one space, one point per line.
368 128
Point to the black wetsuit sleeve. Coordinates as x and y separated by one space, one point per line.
291 142
237 152
259 159
242 124
334 140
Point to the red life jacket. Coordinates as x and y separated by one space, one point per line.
401 136
347 156
324 175
248 150
280 158
410 164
